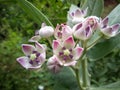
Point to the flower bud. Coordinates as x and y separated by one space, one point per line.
82 32
93 22
46 31
109 31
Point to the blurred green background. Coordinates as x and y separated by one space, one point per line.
16 27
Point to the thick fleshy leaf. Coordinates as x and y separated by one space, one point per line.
34 12
24 61
69 42
95 7
27 49
103 48
114 16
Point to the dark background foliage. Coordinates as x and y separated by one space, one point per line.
16 27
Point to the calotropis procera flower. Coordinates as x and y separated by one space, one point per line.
46 31
66 52
62 32
43 32
82 32
53 64
92 21
76 15
34 56
109 31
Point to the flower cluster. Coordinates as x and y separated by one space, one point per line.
67 45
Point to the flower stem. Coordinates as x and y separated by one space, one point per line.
78 78
85 76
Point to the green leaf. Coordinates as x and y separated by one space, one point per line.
113 86
103 48
34 12
114 16
95 7
65 80
101 88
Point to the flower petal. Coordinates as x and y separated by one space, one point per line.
107 31
105 22
69 42
72 63
115 27
78 13
78 52
41 58
27 49
39 47
56 47
53 64
35 38
24 61
66 32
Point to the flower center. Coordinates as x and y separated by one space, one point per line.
66 52
33 56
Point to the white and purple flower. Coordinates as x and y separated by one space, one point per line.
82 32
93 22
76 15
34 56
62 32
67 54
109 31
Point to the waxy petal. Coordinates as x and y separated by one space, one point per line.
105 22
77 27
27 49
39 47
66 32
41 58
35 38
78 51
72 63
115 27
78 13
53 64
24 61
107 31
69 42
56 46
